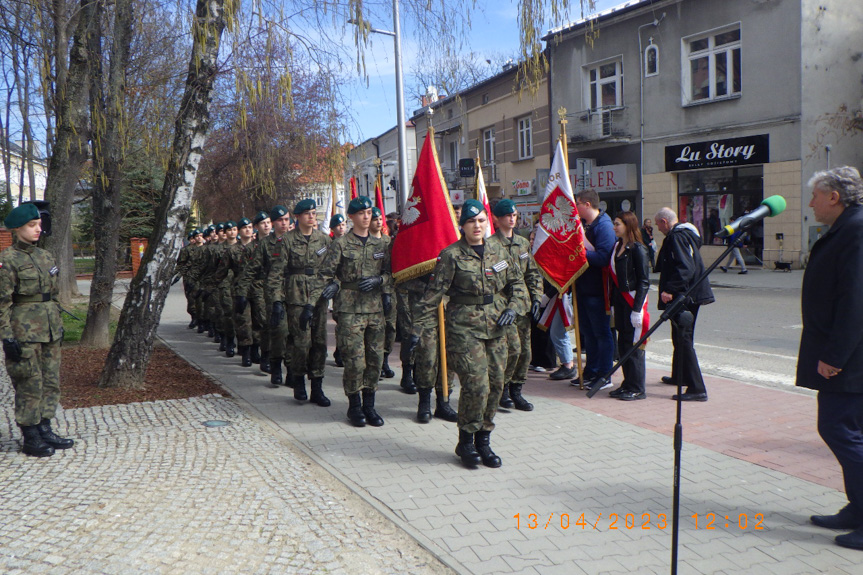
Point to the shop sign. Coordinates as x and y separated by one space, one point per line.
613 178
467 168
523 187
718 153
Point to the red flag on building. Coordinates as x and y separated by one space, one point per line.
353 188
379 204
482 196
559 245
428 221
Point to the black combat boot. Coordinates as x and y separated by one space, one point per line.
276 372
407 384
194 323
467 450
265 363
337 357
372 416
386 372
520 402
506 401
202 326
489 459
246 354
317 395
211 330
256 353
33 443
230 346
289 376
52 438
355 411
300 388
222 340
443 410
424 414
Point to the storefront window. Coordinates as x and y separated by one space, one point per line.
711 199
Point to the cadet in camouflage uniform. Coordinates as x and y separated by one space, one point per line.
184 262
305 249
484 286
251 286
338 228
32 331
356 271
272 250
205 280
518 335
376 230
224 278
199 261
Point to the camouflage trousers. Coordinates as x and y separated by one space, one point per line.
226 305
260 321
309 345
390 329
201 309
214 308
281 344
518 350
360 339
36 381
480 369
243 326
190 299
426 357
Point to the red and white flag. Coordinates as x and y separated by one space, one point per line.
379 204
482 197
559 245
353 188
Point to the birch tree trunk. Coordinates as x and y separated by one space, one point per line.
133 343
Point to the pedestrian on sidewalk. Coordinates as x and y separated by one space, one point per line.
831 347
32 331
735 255
680 265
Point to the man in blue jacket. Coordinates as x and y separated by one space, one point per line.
594 320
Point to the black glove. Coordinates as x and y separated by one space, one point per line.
535 311
330 291
409 344
387 300
370 283
12 349
240 303
176 279
278 314
306 316
506 318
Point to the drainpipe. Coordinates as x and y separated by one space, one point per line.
655 24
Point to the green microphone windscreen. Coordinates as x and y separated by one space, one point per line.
776 205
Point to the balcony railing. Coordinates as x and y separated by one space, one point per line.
602 124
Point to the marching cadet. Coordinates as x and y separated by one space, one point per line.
184 262
305 249
32 331
484 288
518 335
230 267
197 263
224 278
249 290
338 228
208 286
356 271
272 248
376 230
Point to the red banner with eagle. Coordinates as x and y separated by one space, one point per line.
559 245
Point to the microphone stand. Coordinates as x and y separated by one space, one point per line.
682 318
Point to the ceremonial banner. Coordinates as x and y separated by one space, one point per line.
559 245
379 204
353 188
428 222
324 226
482 196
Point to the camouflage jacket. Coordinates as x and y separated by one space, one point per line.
270 252
198 260
348 261
250 277
294 277
519 251
29 311
230 265
204 275
184 260
480 289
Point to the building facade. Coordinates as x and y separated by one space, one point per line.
710 107
380 157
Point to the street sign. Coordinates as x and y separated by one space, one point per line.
467 168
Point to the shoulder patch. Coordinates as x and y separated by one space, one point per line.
54 271
500 266
524 256
379 255
321 251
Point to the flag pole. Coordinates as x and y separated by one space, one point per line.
561 113
442 342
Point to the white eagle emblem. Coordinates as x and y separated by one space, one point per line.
557 218
411 212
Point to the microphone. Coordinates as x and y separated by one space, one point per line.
772 206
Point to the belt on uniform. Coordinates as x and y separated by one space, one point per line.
472 299
39 297
304 271
350 285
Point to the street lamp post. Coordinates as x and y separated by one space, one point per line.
402 195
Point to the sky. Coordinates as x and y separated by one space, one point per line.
494 31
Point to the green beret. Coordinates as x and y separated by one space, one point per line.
278 212
192 234
304 206
244 222
260 217
376 212
470 209
230 224
336 220
220 227
358 204
21 215
504 208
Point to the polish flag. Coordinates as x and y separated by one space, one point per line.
353 188
482 196
379 204
559 245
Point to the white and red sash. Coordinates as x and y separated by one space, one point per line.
558 303
629 297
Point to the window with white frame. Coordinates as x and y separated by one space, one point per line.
488 145
453 155
525 138
712 66
605 84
